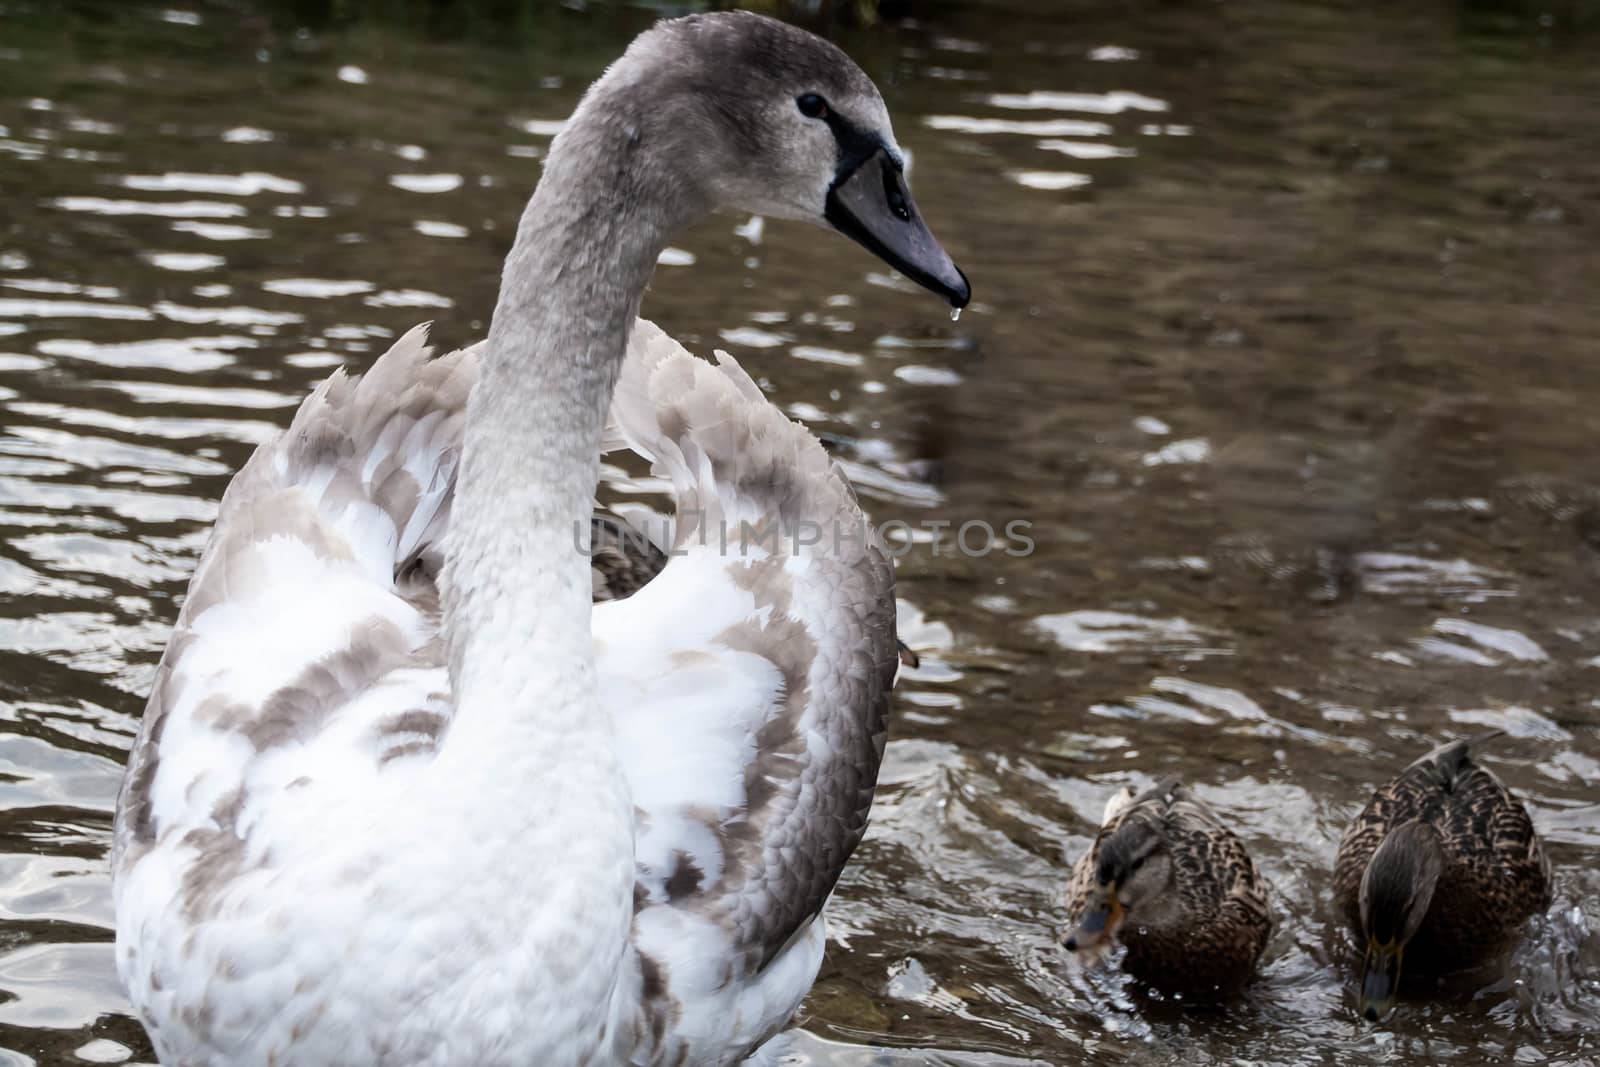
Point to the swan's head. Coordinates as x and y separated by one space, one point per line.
776 121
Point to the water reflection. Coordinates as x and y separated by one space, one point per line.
1027 127
187 209
212 184
426 183
1113 103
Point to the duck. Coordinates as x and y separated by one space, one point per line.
1440 872
404 792
1166 878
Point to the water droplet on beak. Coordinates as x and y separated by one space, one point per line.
955 314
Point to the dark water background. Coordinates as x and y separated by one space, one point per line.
1285 344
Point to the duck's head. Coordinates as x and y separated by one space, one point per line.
1396 891
1133 882
763 117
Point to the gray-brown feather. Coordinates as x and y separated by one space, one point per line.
408 404
805 812
807 815
779 55
296 486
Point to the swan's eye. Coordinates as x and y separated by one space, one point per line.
811 105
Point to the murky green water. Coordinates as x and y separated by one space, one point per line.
1286 345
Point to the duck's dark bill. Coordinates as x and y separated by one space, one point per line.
1379 979
871 204
1096 925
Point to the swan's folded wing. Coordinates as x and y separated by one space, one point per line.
314 595
751 678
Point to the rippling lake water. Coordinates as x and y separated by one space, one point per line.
1284 343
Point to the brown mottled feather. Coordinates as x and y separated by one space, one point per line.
711 430
1495 876
1215 920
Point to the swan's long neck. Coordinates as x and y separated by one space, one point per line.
518 587
527 774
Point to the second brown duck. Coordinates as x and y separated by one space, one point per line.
1440 872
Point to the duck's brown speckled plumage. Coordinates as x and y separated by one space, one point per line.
1495 871
1215 919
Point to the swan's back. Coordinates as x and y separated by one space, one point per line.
306 683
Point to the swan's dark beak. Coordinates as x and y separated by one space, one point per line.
870 203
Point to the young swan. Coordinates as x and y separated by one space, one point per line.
1439 872
402 795
1174 885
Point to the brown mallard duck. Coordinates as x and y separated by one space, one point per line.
1168 880
1441 869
